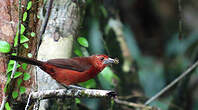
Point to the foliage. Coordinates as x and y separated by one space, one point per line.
32 34
7 106
22 89
83 41
26 76
17 74
4 47
29 5
14 94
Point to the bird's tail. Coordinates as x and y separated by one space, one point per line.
26 60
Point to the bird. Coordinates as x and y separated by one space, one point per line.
71 70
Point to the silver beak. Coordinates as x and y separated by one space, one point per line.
110 61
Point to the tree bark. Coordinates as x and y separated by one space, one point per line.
8 23
8 28
57 42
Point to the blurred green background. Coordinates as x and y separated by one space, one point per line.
152 46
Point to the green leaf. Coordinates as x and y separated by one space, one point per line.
17 35
25 45
26 76
77 100
24 66
6 86
88 84
8 78
108 74
29 5
4 47
24 39
14 54
22 89
16 39
17 74
11 62
7 106
78 52
5 89
22 28
19 81
7 82
32 34
83 41
15 94
24 16
10 67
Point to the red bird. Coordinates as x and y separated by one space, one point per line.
72 70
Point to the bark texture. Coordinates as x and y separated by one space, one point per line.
57 42
8 23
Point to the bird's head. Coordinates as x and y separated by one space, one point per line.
101 61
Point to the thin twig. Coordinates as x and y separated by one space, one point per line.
3 102
172 83
36 105
43 27
45 21
129 97
19 29
135 105
76 87
14 69
26 107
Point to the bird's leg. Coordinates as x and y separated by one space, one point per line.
72 86
76 87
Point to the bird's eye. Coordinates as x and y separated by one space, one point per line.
102 58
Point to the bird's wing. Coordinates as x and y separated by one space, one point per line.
76 64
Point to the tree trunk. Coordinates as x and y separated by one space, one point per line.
8 28
57 43
8 25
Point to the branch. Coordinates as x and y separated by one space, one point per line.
73 92
3 102
172 83
135 105
26 107
69 91
45 21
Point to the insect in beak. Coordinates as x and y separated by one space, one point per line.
110 61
